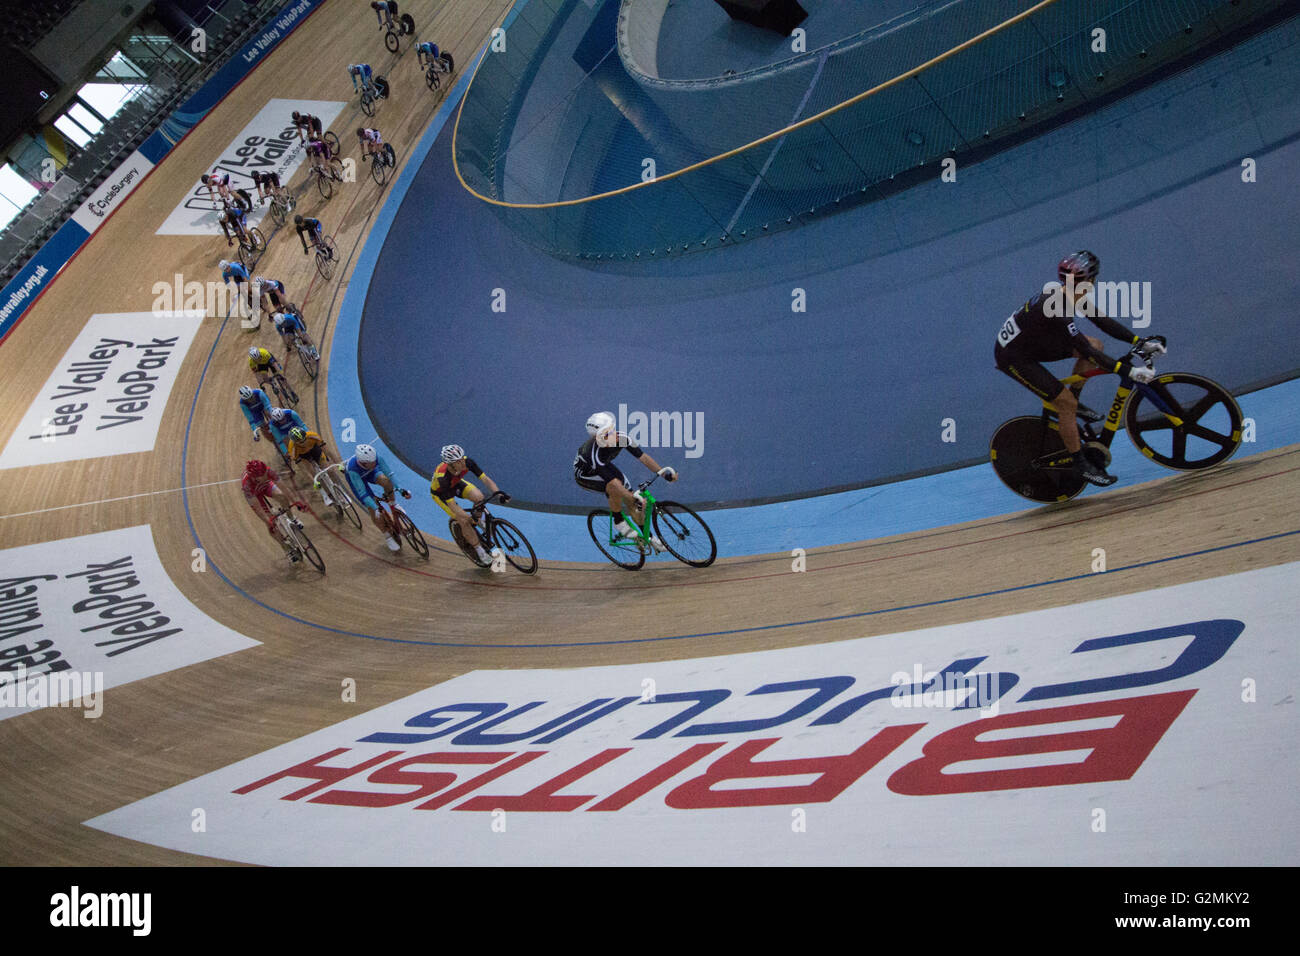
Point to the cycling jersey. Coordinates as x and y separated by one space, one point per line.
219 179
266 179
1031 336
427 49
360 479
273 285
318 147
236 271
280 432
361 71
594 468
371 136
446 485
311 227
257 408
289 322
264 362
261 488
311 447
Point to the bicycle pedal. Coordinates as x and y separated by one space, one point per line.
1086 414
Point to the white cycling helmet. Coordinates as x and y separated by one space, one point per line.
452 453
366 455
253 353
277 317
599 421
278 415
245 391
223 265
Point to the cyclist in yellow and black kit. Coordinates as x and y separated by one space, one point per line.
449 483
262 363
307 445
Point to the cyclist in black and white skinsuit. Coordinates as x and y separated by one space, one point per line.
594 469
1031 336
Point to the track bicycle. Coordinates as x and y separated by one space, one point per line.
331 484
251 244
495 532
401 526
283 202
440 66
683 533
374 92
326 175
284 393
294 540
326 256
1179 420
384 160
403 27
307 355
332 141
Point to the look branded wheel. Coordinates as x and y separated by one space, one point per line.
626 555
332 141
1016 445
1209 421
684 534
411 533
514 546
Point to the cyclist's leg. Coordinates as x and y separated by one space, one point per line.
1035 377
621 499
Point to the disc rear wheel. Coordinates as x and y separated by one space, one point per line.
1016 445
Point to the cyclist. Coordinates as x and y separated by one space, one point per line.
262 363
364 469
372 143
386 11
594 469
289 324
218 183
283 421
307 126
427 54
318 154
232 219
259 483
257 410
307 226
235 271
1043 330
361 77
449 483
269 293
307 444
268 185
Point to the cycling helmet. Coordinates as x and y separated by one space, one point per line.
245 392
278 415
452 453
298 434
224 217
297 220
366 455
361 132
253 353
204 179
277 317
223 265
1083 265
599 421
297 117
256 467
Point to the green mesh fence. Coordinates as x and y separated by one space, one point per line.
556 133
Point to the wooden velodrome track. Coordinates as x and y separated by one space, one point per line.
160 732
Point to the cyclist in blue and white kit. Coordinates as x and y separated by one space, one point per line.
283 421
235 272
288 323
257 410
362 72
364 469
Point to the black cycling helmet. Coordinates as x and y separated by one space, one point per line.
297 117
297 220
1083 265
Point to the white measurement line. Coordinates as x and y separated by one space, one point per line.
104 501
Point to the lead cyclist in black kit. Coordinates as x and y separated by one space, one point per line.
1032 336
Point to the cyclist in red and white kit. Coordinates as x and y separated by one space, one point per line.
258 484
